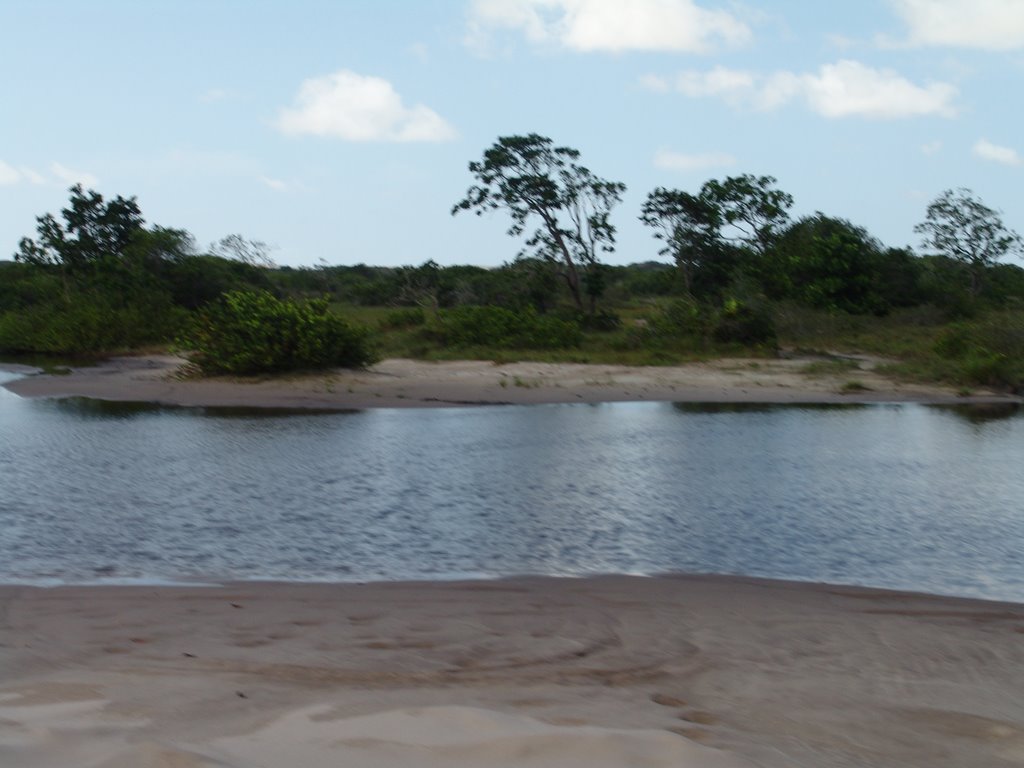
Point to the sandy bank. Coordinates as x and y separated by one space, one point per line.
410 383
611 671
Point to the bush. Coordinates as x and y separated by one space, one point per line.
405 317
250 332
87 324
747 324
506 329
989 352
602 321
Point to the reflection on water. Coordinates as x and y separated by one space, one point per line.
979 413
897 495
761 407
88 407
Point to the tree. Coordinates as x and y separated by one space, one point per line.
687 224
755 212
92 232
959 226
827 263
255 253
534 180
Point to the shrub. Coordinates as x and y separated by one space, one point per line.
405 317
602 321
747 324
87 324
250 332
989 352
506 329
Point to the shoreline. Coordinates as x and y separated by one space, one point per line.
398 383
688 670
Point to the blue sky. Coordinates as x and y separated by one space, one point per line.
340 132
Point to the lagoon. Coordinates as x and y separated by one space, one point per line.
905 496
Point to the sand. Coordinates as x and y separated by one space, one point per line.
411 383
708 672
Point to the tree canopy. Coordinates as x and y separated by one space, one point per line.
961 227
534 180
92 231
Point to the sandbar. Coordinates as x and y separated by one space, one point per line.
698 671
399 383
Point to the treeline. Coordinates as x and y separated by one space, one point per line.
736 269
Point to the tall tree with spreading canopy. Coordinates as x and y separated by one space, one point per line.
92 232
687 224
753 213
959 226
534 180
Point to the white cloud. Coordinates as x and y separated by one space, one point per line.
677 161
9 175
67 175
275 184
355 107
32 176
609 25
931 147
213 95
851 88
844 89
986 150
420 51
655 83
996 25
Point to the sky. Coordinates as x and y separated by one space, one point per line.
339 132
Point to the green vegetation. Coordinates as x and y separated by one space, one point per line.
247 332
743 278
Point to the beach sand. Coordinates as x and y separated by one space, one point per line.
714 672
412 383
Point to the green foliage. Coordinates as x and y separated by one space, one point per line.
88 323
534 180
989 351
406 317
753 211
959 226
827 263
92 231
505 329
688 225
680 317
602 321
749 324
248 332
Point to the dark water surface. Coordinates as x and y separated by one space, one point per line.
903 496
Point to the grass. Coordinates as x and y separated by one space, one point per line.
910 340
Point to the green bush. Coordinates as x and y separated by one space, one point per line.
503 328
602 321
87 325
989 352
747 324
250 332
404 317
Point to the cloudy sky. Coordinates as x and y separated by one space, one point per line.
339 132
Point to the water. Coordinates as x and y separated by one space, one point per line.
901 496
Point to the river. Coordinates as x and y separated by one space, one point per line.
905 496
